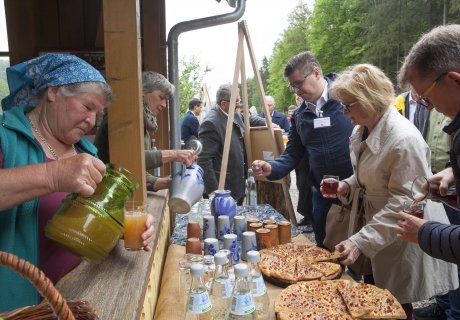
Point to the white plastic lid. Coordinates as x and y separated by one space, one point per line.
196 269
253 256
220 258
241 270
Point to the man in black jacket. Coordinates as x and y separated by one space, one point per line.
277 117
211 134
432 68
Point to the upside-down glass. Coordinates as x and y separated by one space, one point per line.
422 189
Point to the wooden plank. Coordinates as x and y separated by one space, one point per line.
123 72
154 59
92 24
231 112
71 25
116 288
21 23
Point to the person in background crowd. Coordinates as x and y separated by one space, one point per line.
290 112
212 136
189 125
276 117
156 90
432 68
385 144
53 103
319 130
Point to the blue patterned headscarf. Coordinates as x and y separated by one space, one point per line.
28 79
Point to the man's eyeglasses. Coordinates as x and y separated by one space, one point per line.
423 100
298 83
237 102
347 107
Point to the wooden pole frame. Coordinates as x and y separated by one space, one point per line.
243 33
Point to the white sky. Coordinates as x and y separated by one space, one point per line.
216 47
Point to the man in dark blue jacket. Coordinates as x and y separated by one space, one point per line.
277 117
432 68
189 125
319 129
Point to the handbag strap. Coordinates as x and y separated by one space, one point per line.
357 209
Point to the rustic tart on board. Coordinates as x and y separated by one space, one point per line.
289 263
336 300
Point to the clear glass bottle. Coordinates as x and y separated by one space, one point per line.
209 267
258 289
221 288
251 190
199 305
241 302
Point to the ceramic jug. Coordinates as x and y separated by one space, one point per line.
187 187
223 204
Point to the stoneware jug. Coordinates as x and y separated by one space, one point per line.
223 204
187 187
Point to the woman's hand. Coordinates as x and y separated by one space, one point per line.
80 174
187 157
147 236
349 252
162 183
261 168
408 227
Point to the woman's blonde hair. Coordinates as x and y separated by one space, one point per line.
367 84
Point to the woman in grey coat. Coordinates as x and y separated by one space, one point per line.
387 153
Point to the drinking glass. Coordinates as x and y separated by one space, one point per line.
135 224
330 185
414 208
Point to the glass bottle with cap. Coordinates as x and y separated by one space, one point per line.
241 302
259 291
221 288
199 305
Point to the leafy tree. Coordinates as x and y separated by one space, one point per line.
190 80
293 40
336 33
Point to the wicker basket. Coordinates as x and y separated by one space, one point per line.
54 305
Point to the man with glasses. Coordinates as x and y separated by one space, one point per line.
320 130
189 125
212 135
432 68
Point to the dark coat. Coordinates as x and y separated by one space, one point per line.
279 119
211 134
189 126
327 147
439 240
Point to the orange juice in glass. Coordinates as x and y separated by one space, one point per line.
135 224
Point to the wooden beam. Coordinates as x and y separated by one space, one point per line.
123 72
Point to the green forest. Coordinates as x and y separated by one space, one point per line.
341 33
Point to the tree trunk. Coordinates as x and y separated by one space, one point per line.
272 193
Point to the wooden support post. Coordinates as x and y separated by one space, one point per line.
123 72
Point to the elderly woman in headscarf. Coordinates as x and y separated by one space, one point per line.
156 91
54 100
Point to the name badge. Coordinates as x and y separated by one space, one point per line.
322 122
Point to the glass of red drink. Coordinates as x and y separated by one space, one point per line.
330 184
414 208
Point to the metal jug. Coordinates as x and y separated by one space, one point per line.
187 186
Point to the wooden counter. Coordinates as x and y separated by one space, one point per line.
169 305
126 285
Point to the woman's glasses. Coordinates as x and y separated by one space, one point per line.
347 107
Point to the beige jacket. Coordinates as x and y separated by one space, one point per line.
384 165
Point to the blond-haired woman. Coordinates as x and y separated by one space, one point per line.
387 153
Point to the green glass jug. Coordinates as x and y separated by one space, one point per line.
92 226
